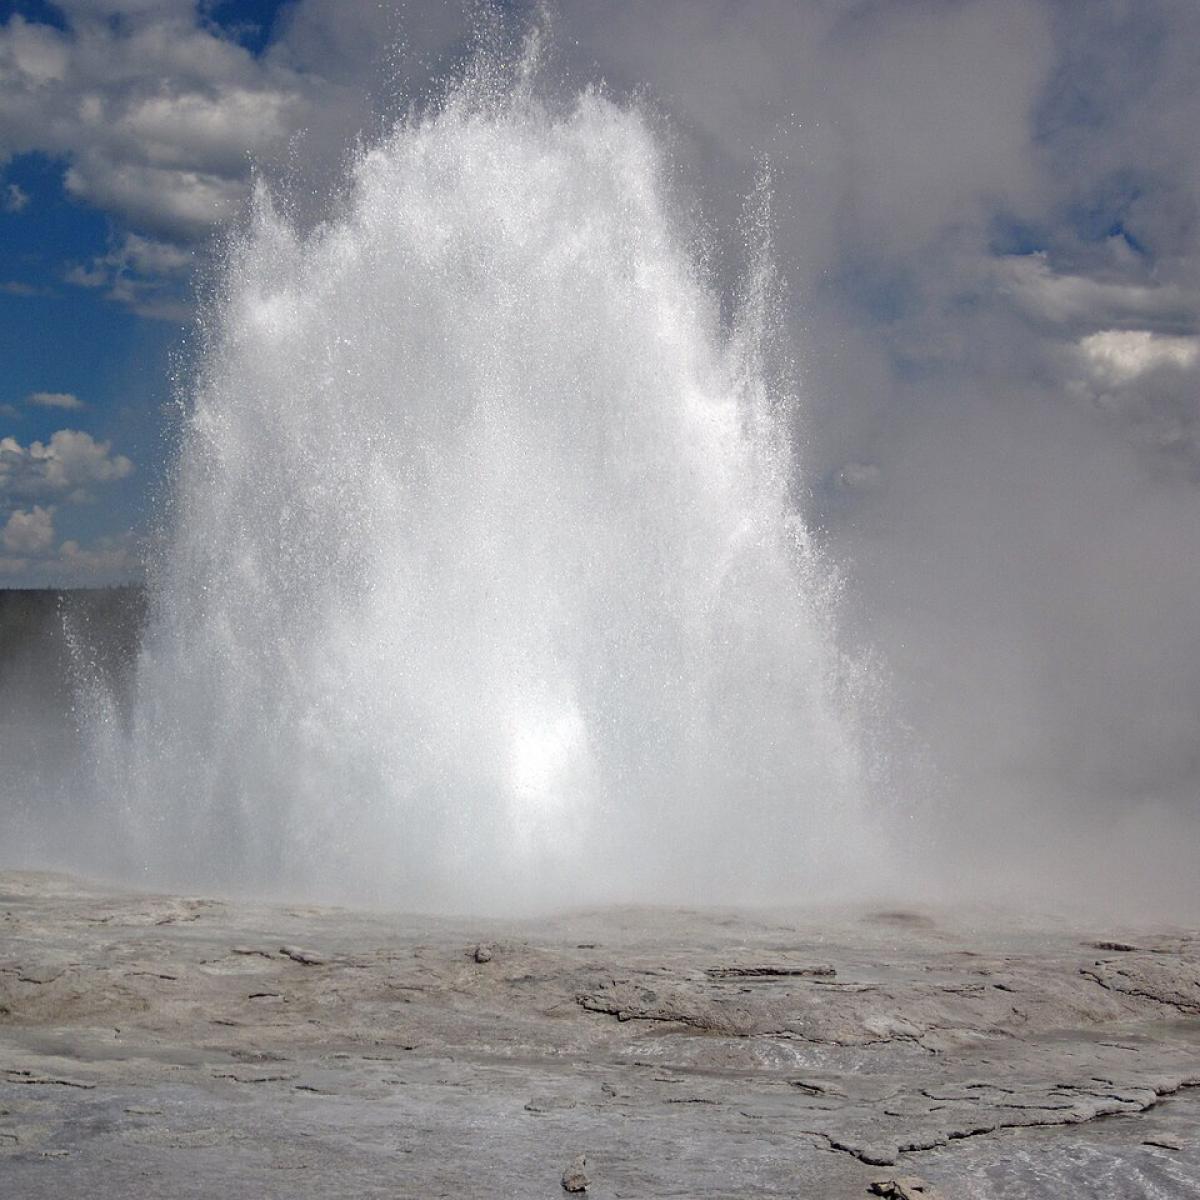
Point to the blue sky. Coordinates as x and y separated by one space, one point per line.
61 339
78 357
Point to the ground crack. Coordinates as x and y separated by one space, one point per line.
1182 1006
886 1153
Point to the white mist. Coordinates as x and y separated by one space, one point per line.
485 586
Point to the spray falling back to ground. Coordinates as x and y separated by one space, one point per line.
485 583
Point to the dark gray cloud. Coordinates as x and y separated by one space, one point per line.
988 216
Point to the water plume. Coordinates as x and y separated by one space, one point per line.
484 582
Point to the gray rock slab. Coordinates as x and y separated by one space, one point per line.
188 1046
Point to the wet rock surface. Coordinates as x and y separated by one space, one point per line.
157 1044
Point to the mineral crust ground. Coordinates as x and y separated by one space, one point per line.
158 1045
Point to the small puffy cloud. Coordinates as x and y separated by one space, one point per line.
91 276
1147 384
150 257
55 400
108 560
1124 354
69 463
29 532
72 458
34 481
143 273
184 203
16 198
14 287
1062 298
35 54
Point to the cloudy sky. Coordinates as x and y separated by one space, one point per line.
988 220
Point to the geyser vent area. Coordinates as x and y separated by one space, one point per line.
484 583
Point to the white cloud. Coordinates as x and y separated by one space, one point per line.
55 400
1067 299
214 132
108 559
150 257
14 287
1124 354
33 53
149 298
1147 384
69 463
29 532
64 468
72 458
143 273
182 202
157 116
160 115
105 561
16 198
93 276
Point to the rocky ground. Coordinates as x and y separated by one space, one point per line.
158 1045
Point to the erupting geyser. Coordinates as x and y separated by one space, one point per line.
484 581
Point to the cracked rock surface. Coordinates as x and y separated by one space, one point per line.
167 1045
